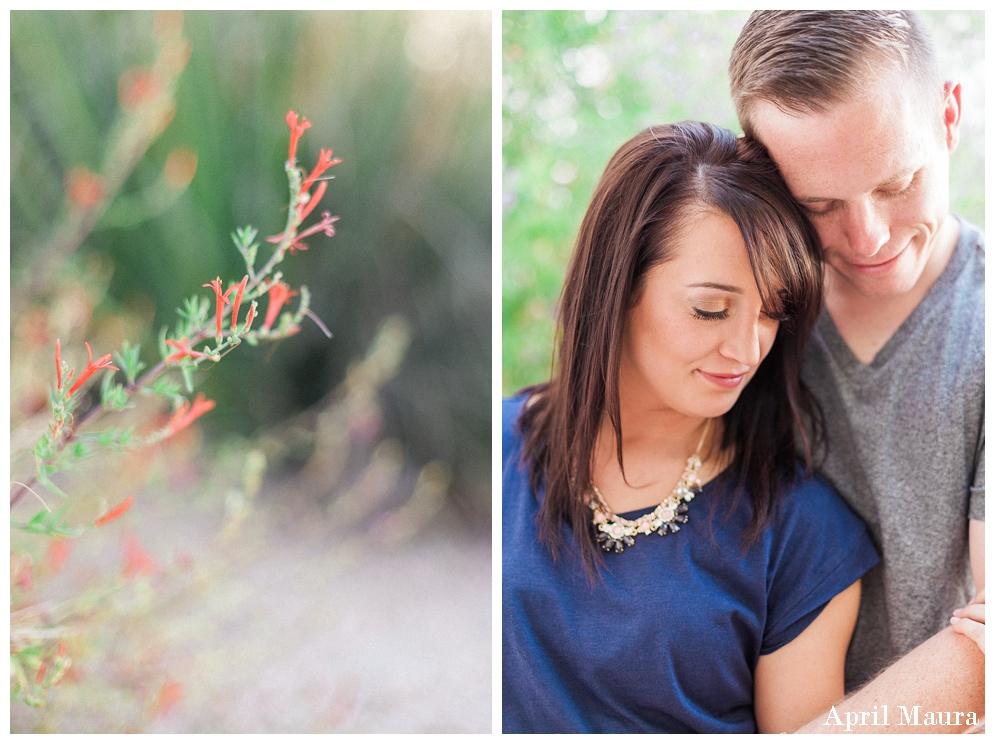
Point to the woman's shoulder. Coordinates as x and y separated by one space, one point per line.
811 490
817 548
511 409
811 503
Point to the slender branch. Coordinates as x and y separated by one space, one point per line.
254 288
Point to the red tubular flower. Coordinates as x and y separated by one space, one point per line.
324 163
57 554
137 87
296 130
58 364
306 202
183 350
114 513
249 317
305 208
180 168
327 226
91 367
136 560
84 189
24 573
62 649
170 694
187 413
222 300
278 295
41 674
240 288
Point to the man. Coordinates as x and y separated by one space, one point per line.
853 110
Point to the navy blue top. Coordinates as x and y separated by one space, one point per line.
668 638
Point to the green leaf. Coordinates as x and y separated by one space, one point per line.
116 437
115 398
45 473
193 314
243 239
163 349
163 386
49 523
38 518
129 360
43 450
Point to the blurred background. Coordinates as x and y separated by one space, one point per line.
576 85
322 537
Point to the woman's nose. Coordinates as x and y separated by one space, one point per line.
743 345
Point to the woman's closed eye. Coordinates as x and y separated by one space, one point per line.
710 314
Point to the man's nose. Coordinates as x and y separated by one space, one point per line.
865 228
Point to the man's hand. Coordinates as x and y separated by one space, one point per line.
970 620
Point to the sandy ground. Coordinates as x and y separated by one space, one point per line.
288 626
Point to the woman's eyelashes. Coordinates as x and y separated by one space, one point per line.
701 314
710 314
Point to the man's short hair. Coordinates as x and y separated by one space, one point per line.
805 61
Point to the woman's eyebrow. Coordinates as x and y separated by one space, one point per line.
713 285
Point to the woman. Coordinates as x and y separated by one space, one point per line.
626 605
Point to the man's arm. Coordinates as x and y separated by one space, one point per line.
976 544
970 621
944 676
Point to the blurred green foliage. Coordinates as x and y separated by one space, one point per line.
576 85
403 98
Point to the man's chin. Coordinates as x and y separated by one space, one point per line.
874 286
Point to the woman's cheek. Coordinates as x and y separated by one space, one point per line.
769 331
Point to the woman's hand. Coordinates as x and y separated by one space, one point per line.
970 620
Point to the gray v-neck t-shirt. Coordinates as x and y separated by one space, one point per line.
906 450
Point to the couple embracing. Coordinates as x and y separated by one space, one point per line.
755 481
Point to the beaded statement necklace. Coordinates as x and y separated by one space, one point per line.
617 533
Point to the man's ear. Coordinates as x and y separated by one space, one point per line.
951 114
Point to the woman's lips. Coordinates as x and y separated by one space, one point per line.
723 380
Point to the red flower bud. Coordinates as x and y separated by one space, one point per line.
278 295
91 367
296 130
114 513
240 288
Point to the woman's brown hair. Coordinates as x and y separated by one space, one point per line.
649 188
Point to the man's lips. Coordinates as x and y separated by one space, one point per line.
876 268
722 379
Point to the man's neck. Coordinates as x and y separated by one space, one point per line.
866 324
